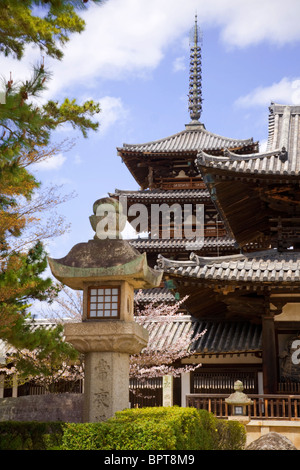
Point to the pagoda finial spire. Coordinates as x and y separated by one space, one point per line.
195 92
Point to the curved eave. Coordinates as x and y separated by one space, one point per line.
268 268
159 195
239 204
136 272
160 245
273 164
188 140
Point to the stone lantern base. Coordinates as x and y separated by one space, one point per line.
106 385
107 346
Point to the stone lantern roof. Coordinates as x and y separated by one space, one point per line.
238 397
110 258
103 260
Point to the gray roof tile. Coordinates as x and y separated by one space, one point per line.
192 138
282 156
265 266
220 337
163 195
186 244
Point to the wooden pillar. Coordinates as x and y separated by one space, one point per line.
2 378
185 387
15 387
269 353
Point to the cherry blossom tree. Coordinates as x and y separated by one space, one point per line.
163 354
51 373
43 367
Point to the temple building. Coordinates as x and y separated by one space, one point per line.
242 277
227 239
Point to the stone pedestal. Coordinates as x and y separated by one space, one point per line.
106 346
106 386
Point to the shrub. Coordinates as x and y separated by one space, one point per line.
193 429
161 428
15 435
84 436
231 435
139 435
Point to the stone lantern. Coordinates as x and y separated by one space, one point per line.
239 402
108 270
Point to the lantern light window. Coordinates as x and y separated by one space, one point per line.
104 302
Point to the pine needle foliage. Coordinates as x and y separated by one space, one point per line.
26 129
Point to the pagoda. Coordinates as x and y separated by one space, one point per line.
167 171
242 280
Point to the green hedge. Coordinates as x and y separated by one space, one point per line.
18 435
160 428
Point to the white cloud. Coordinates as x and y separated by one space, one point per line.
112 110
287 91
179 64
263 145
53 163
254 21
124 37
77 159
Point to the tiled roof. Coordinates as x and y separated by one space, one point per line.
155 295
192 138
220 337
282 156
161 195
267 266
182 244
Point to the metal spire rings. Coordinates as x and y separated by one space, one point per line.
195 92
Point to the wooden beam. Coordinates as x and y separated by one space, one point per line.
269 353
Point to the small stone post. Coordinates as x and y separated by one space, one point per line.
239 402
168 382
108 270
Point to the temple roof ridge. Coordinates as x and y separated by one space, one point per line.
230 155
282 155
197 260
271 266
159 191
278 107
192 137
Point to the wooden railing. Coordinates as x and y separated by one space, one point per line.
263 406
222 382
30 388
292 388
146 392
210 230
186 183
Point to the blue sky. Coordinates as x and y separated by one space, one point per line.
133 58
